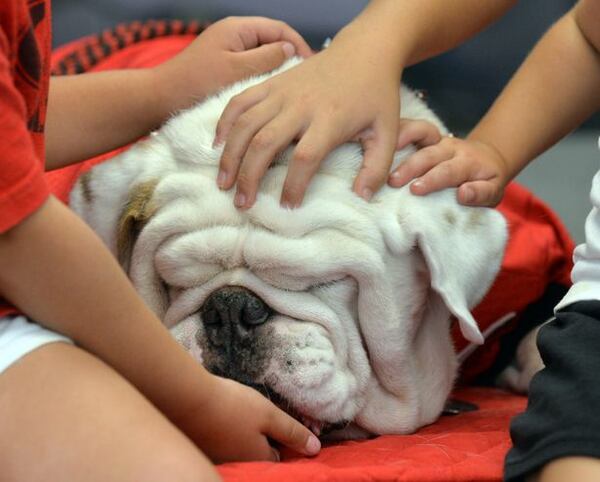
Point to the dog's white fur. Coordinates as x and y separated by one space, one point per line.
363 291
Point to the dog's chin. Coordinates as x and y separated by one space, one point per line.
320 428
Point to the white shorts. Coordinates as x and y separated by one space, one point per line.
19 336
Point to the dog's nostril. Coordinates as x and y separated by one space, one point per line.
210 316
234 305
255 312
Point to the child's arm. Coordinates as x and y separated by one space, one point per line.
554 91
348 91
93 113
59 273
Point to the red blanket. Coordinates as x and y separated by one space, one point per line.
470 446
466 447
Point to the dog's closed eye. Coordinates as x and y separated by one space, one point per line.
289 282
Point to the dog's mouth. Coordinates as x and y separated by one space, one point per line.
318 427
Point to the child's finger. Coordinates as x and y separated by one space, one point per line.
419 163
291 433
274 137
447 174
318 141
479 193
240 136
379 152
236 106
263 30
267 57
418 132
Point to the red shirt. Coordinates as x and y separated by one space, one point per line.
24 76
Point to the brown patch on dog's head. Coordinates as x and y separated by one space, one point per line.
450 217
475 219
136 213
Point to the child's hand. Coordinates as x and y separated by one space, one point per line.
344 92
476 168
419 132
227 51
236 422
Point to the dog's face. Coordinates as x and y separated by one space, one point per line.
339 310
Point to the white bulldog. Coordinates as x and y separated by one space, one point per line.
339 310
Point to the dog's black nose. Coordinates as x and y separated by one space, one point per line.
234 305
235 340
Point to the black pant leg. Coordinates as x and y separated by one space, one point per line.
563 412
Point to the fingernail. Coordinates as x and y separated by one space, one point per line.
367 194
276 454
240 200
221 179
313 445
288 49
394 177
217 142
418 184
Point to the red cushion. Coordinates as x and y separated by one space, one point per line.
466 447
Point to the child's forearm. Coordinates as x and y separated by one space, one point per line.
554 91
58 272
90 114
414 30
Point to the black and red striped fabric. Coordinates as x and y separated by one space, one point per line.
82 55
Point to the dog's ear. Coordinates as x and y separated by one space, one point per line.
137 211
463 248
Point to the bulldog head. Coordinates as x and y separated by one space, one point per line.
338 310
